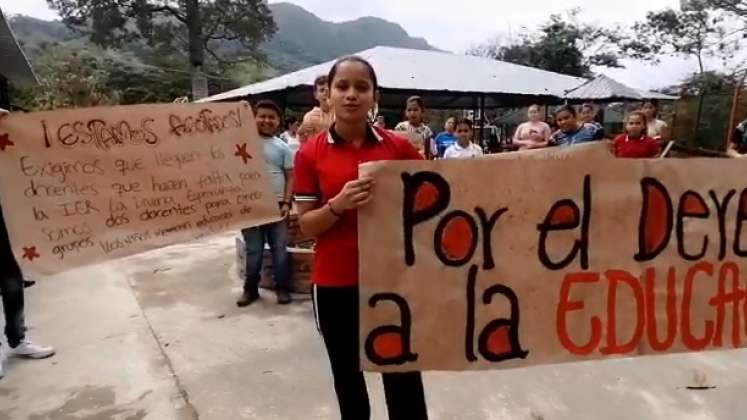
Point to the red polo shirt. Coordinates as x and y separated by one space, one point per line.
323 166
644 147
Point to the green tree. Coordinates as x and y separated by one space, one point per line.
562 45
737 7
695 32
68 79
228 30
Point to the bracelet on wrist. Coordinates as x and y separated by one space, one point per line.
331 210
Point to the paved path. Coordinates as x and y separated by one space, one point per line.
158 337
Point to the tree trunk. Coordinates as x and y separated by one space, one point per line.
194 26
196 51
698 114
701 97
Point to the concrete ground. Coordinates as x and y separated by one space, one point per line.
158 337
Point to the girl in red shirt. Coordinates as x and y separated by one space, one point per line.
329 192
635 143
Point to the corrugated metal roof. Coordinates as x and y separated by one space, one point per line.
605 88
406 69
13 63
647 94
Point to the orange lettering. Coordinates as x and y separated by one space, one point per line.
722 299
690 341
671 311
567 305
616 277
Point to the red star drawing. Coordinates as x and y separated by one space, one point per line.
29 253
242 153
5 141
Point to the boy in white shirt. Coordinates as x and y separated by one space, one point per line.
463 148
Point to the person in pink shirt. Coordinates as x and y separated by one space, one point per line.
533 134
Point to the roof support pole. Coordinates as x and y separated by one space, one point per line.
475 110
4 94
738 86
482 119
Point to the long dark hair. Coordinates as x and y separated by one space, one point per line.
353 59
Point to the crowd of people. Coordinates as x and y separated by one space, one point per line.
328 144
314 164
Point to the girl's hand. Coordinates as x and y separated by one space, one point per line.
285 209
353 195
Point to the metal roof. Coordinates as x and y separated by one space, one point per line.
605 88
14 65
405 71
647 94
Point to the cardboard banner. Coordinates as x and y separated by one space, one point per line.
493 263
88 185
591 152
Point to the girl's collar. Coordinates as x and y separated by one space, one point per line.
371 135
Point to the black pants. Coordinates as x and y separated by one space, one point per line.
337 315
11 287
12 294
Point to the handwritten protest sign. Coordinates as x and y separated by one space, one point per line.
493 264
590 152
83 186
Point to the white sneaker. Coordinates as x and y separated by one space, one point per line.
30 350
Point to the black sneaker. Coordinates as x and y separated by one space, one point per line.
284 298
247 298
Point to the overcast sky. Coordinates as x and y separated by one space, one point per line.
455 25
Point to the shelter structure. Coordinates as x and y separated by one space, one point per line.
444 80
604 89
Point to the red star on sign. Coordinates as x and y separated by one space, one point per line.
29 253
5 141
242 153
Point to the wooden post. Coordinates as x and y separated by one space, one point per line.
482 120
475 110
4 94
734 105
196 52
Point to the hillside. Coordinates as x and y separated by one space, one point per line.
302 38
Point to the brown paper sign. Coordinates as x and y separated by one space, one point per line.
88 185
492 264
586 151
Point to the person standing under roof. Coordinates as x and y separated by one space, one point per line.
446 138
657 129
533 134
279 159
322 115
419 134
464 148
635 143
738 143
572 131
